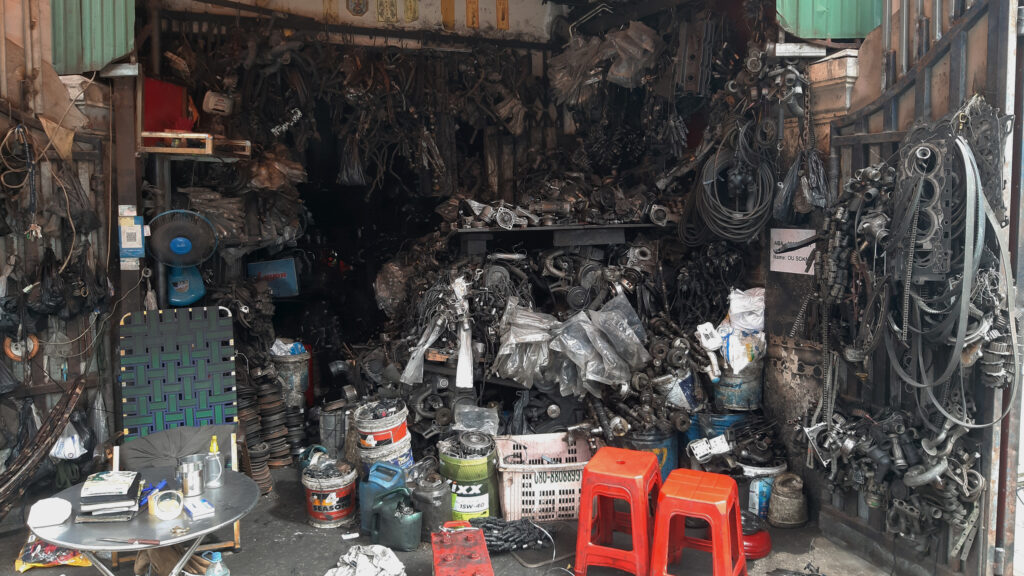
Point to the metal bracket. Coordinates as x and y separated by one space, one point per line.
963 544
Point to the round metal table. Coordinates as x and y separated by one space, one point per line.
231 501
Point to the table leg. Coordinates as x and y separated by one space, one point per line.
188 554
101 567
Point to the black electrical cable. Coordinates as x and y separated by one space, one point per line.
744 168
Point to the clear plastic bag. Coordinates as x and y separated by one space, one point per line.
636 48
476 419
524 353
621 325
564 372
572 71
413 373
594 356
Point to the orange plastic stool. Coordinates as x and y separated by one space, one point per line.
614 473
710 497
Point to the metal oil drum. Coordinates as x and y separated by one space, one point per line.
664 445
432 495
788 506
469 461
740 391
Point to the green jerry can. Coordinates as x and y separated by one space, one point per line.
396 524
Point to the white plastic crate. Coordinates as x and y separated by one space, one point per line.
541 475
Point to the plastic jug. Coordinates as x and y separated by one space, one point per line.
396 524
216 567
213 466
383 477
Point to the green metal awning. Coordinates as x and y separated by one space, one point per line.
829 19
89 34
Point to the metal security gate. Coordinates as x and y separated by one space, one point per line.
946 51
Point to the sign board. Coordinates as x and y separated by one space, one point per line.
794 262
280 275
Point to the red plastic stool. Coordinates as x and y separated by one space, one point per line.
614 473
711 497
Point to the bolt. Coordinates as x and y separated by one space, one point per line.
474 556
448 558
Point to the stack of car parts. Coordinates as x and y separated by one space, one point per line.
296 430
259 455
249 415
274 420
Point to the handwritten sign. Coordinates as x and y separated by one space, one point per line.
794 262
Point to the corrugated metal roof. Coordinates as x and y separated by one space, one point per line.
829 18
89 34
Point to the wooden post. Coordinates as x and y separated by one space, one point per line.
127 189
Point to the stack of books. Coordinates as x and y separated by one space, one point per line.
110 496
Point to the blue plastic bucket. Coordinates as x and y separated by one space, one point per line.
665 446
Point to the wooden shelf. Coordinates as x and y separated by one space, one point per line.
197 146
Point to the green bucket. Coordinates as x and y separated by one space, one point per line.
474 483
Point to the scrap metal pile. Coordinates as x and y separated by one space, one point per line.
599 340
911 261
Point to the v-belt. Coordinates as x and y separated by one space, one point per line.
973 184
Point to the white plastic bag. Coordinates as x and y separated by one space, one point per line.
69 446
743 330
746 310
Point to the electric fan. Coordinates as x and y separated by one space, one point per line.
182 240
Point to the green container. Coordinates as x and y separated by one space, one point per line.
829 19
474 485
395 523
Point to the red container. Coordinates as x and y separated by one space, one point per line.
460 550
330 502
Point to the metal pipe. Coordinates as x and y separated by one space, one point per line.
904 37
162 176
26 40
155 53
886 42
3 50
920 31
937 18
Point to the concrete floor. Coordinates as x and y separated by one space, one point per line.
277 541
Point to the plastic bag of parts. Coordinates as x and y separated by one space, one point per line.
275 170
636 48
476 419
621 325
100 422
372 560
588 348
562 370
783 209
743 331
413 373
746 309
524 344
38 554
572 73
70 446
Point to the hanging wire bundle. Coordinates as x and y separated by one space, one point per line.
737 182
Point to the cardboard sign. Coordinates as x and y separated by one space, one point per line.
794 262
448 14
